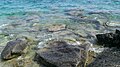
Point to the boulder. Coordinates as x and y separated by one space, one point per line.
13 49
62 54
109 39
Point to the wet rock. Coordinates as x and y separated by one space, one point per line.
62 54
13 49
96 12
94 22
75 13
109 39
25 60
85 20
108 58
56 27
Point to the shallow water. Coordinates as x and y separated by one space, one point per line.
55 7
32 18
17 17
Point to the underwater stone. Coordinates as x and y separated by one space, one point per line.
56 27
33 18
75 13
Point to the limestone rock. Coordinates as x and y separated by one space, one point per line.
62 54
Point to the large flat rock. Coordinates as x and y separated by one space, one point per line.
61 54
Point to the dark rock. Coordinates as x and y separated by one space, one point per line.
61 54
109 39
13 49
108 58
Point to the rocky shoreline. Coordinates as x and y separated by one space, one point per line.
78 40
58 53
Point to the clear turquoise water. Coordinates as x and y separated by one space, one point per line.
55 7
21 12
50 11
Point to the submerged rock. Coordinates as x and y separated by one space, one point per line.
13 49
75 13
56 27
97 12
109 39
62 54
33 18
94 21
